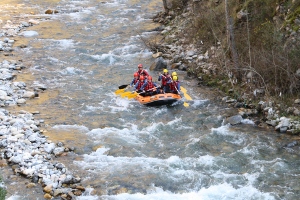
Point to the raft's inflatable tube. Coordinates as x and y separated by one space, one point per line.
158 99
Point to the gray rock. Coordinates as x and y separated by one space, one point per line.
49 147
233 120
58 151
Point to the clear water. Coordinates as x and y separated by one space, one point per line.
125 150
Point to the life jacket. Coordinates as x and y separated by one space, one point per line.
174 86
140 84
135 81
149 86
143 73
165 79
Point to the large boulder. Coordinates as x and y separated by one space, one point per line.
159 64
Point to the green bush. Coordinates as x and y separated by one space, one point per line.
2 191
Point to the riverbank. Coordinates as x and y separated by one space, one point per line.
23 145
178 52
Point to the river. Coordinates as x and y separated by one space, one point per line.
125 150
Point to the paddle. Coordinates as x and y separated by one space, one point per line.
123 86
187 97
133 95
185 104
121 89
125 94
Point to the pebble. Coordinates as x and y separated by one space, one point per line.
22 144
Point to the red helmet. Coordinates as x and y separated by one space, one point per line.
150 78
135 74
140 65
141 78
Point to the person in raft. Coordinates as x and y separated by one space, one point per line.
149 88
142 72
135 79
139 84
174 74
164 78
175 85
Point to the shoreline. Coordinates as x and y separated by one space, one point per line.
23 146
266 112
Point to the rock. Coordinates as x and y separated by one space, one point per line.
159 64
61 191
60 166
80 188
283 129
58 151
49 12
3 163
297 101
77 193
30 185
32 21
29 94
233 120
48 188
156 55
47 196
21 101
296 112
49 147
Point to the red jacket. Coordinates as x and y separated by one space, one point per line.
149 86
143 72
164 79
138 85
174 86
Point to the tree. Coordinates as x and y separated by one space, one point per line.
165 6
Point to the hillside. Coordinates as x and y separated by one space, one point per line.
249 49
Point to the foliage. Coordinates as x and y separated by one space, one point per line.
2 191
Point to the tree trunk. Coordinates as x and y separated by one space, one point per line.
165 6
231 41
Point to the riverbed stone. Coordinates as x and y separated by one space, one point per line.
58 151
21 101
49 147
233 120
47 196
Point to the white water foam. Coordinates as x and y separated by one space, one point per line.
29 33
81 129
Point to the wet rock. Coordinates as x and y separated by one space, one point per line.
58 151
233 120
292 144
49 12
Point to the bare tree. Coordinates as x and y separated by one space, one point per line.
165 6
231 41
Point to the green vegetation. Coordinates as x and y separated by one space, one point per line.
2 190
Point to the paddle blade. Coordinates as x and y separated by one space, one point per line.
187 97
185 104
183 89
125 94
119 91
123 86
132 95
